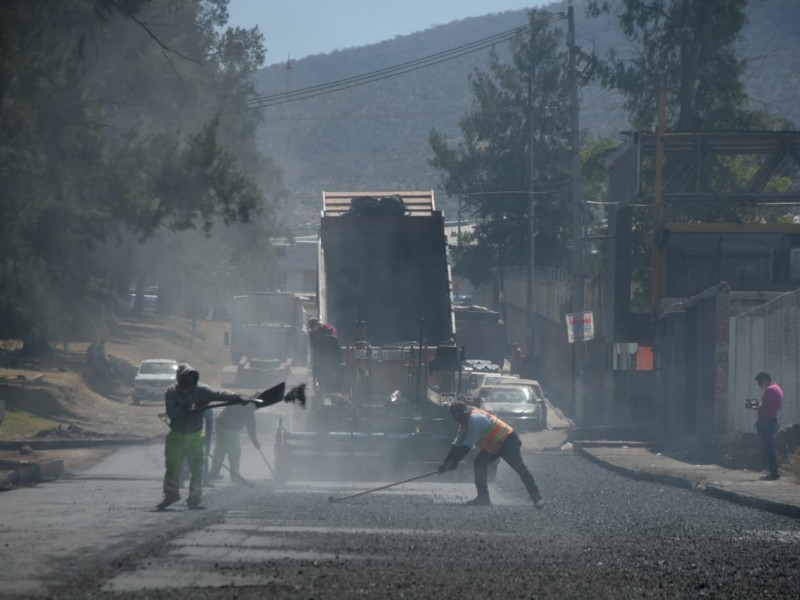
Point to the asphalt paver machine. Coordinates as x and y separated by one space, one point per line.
377 406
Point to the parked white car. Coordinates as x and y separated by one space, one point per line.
518 405
155 375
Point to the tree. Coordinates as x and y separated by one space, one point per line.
111 132
686 47
490 169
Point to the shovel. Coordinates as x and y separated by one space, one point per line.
272 396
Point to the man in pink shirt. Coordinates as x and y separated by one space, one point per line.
767 423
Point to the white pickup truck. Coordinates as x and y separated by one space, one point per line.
153 378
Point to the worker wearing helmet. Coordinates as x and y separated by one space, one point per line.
229 423
496 439
326 355
317 327
186 402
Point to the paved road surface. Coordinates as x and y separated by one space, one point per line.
601 536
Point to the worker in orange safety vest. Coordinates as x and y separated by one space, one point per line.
496 439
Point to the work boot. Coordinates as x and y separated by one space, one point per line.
538 502
479 501
770 477
213 476
168 500
195 506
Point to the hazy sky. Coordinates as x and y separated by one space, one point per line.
302 27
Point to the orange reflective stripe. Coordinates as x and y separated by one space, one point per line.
495 434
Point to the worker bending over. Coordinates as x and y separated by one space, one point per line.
496 439
228 424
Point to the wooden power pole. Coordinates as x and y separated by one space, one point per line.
579 347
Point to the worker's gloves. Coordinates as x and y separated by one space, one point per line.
243 400
257 444
450 462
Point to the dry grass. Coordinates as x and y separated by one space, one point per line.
791 466
19 424
54 391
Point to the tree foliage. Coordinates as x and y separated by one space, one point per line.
490 167
686 47
121 126
690 49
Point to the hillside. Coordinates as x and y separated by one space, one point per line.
376 136
59 392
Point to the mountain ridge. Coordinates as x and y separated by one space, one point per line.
376 136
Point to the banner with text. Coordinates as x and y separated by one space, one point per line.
580 326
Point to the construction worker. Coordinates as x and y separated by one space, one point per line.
186 402
496 439
326 355
228 425
208 428
316 327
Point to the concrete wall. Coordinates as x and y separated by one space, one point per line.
692 340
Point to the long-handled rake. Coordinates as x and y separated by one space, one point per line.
269 466
383 487
234 476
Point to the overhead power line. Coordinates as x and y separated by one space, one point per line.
269 100
387 72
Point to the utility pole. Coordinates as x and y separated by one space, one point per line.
658 267
529 351
288 72
579 347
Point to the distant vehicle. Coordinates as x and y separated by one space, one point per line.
155 375
477 380
482 333
517 405
150 302
267 339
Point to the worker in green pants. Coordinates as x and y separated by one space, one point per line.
186 402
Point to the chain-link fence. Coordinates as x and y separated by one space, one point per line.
765 338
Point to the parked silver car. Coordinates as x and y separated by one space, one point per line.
517 405
155 375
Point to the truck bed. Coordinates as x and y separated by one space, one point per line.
393 267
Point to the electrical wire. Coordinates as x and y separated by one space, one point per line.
387 72
270 100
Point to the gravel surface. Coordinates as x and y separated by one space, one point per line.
600 536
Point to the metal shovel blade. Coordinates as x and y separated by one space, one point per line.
271 396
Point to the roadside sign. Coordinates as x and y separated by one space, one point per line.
580 326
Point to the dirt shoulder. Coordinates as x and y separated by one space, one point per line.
57 397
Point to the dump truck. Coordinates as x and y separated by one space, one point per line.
266 339
384 284
482 333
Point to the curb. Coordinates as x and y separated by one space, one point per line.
12 475
780 508
609 444
663 478
82 443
